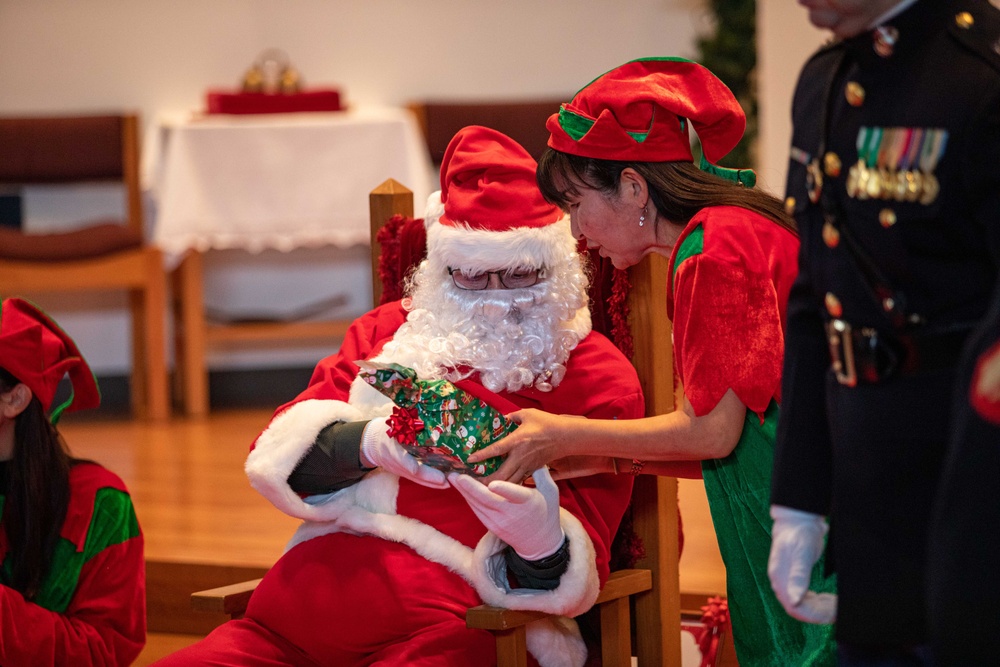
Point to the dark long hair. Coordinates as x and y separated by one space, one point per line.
678 189
37 494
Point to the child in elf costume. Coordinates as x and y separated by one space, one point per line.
72 579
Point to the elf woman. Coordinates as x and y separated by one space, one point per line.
72 578
620 162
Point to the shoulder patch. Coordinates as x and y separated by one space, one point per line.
976 25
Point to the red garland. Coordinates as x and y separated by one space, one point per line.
403 243
619 310
404 424
388 261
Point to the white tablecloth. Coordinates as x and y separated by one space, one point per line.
280 181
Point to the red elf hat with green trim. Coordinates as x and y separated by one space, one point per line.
639 113
35 350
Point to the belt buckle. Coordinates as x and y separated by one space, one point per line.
842 352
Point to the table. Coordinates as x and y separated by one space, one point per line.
276 181
279 181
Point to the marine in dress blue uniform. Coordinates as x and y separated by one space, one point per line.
894 181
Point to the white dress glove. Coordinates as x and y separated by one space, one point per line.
378 450
796 545
525 518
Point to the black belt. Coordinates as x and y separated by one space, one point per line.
865 355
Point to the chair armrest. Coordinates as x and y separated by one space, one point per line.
232 599
621 583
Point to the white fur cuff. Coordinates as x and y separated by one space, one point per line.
578 587
282 445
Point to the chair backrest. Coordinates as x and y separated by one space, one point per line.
60 150
521 120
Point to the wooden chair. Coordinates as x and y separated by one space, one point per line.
103 255
195 333
653 584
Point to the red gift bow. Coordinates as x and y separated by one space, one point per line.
715 620
404 424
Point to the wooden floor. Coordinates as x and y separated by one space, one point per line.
205 526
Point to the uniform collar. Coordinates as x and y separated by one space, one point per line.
899 8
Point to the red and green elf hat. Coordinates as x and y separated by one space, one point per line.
639 112
35 350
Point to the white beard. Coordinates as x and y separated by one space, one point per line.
513 338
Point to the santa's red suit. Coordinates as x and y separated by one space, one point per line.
382 572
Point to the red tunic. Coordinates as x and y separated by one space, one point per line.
91 609
728 306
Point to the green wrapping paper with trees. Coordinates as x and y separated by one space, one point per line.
437 422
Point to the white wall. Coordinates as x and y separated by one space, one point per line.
785 40
59 54
161 55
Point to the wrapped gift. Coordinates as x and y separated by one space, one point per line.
437 422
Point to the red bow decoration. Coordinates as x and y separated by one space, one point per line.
404 424
715 620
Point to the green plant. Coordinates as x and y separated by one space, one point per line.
731 53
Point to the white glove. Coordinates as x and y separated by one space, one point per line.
525 518
796 545
378 450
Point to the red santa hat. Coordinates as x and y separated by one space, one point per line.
489 213
39 354
639 112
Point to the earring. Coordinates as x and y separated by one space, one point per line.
642 216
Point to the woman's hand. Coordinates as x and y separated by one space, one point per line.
540 438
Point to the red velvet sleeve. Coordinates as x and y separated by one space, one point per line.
727 332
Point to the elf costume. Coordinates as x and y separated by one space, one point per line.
90 608
383 571
730 274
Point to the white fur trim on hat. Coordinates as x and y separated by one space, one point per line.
468 248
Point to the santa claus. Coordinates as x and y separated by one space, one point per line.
392 551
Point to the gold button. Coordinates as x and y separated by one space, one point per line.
789 205
964 20
831 164
855 94
887 217
831 235
833 305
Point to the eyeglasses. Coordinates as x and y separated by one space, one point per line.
509 279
